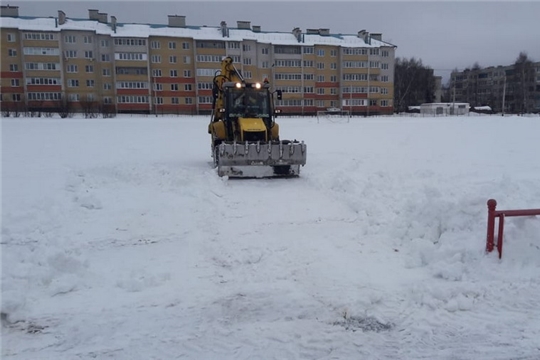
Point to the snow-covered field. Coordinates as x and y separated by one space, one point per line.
119 241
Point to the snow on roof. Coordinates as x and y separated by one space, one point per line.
195 32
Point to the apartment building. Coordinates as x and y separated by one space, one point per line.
170 68
498 86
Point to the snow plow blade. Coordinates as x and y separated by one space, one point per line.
260 159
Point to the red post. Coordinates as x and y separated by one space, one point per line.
500 237
490 241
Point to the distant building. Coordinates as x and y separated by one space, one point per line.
498 86
170 68
435 109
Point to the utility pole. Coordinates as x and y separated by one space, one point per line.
504 93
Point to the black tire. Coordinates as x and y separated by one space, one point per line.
282 170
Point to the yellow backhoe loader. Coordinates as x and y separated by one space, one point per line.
245 136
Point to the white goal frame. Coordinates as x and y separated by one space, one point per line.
334 116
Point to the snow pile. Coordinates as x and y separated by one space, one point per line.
120 241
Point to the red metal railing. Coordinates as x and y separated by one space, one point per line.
501 214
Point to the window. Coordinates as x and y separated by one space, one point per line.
89 68
373 64
247 61
107 86
187 73
172 59
15 82
246 47
320 103
384 78
44 96
188 101
42 81
188 87
13 67
105 57
70 54
372 102
130 42
175 101
333 91
355 51
156 59
185 45
320 52
131 56
133 99
333 78
373 51
204 85
384 91
132 85
208 58
158 100
234 45
107 100
288 63
155 45
106 72
308 89
88 54
174 87
73 82
384 102
12 52
333 66
320 78
156 72
104 43
71 69
308 50
16 97
320 91
247 74
384 66
70 39
158 87
309 77
333 52
385 53
187 59
320 66
308 63
264 51
87 39
205 99
90 83
173 73
265 64
11 37
172 45
39 36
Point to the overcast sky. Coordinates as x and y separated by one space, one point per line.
444 34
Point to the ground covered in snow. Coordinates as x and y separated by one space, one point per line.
119 241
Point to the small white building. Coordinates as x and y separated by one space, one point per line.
445 109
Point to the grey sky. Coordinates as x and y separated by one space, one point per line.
445 35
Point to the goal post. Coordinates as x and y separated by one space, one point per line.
338 115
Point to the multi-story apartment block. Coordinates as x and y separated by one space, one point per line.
170 68
498 86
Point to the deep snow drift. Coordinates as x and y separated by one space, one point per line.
119 241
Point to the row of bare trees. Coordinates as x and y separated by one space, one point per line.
64 108
414 83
